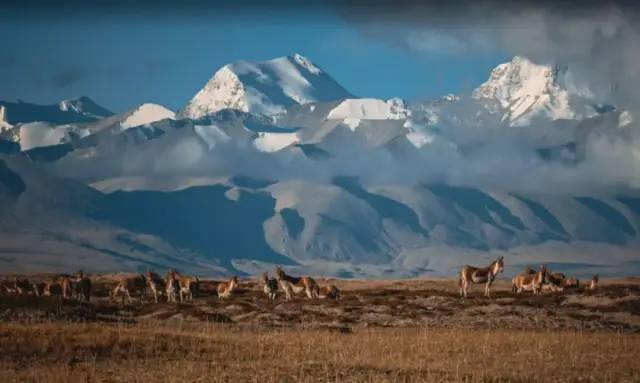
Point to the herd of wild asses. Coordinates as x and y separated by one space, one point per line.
527 280
176 287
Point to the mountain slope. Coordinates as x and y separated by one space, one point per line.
82 109
266 87
332 184
51 224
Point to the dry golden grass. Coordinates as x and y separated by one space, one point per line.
381 331
150 352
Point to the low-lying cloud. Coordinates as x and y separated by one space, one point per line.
598 41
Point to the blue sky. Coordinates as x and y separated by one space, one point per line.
123 60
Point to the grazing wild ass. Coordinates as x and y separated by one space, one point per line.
82 287
156 284
530 282
294 285
269 286
570 283
38 288
7 287
469 274
136 285
329 292
52 287
225 289
21 285
556 278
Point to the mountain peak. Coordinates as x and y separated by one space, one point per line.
264 87
306 63
81 109
144 114
84 105
526 89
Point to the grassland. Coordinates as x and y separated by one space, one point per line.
381 331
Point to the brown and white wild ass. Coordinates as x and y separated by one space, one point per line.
187 286
556 278
225 289
7 286
172 288
38 288
570 283
295 285
593 284
21 285
82 287
329 292
530 282
67 287
156 284
269 286
52 287
128 286
469 274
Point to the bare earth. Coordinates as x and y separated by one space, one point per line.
396 330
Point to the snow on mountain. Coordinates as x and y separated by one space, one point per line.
84 106
283 119
527 90
42 134
78 110
145 114
369 109
272 142
265 87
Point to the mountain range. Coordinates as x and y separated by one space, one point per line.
275 163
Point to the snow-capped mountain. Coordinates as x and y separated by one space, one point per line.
41 134
84 106
275 163
145 114
369 109
266 87
526 90
78 110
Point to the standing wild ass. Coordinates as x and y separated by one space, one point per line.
187 286
294 285
172 288
469 274
67 287
269 286
593 284
82 287
136 285
225 289
156 284
530 282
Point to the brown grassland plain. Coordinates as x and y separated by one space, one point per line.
381 331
